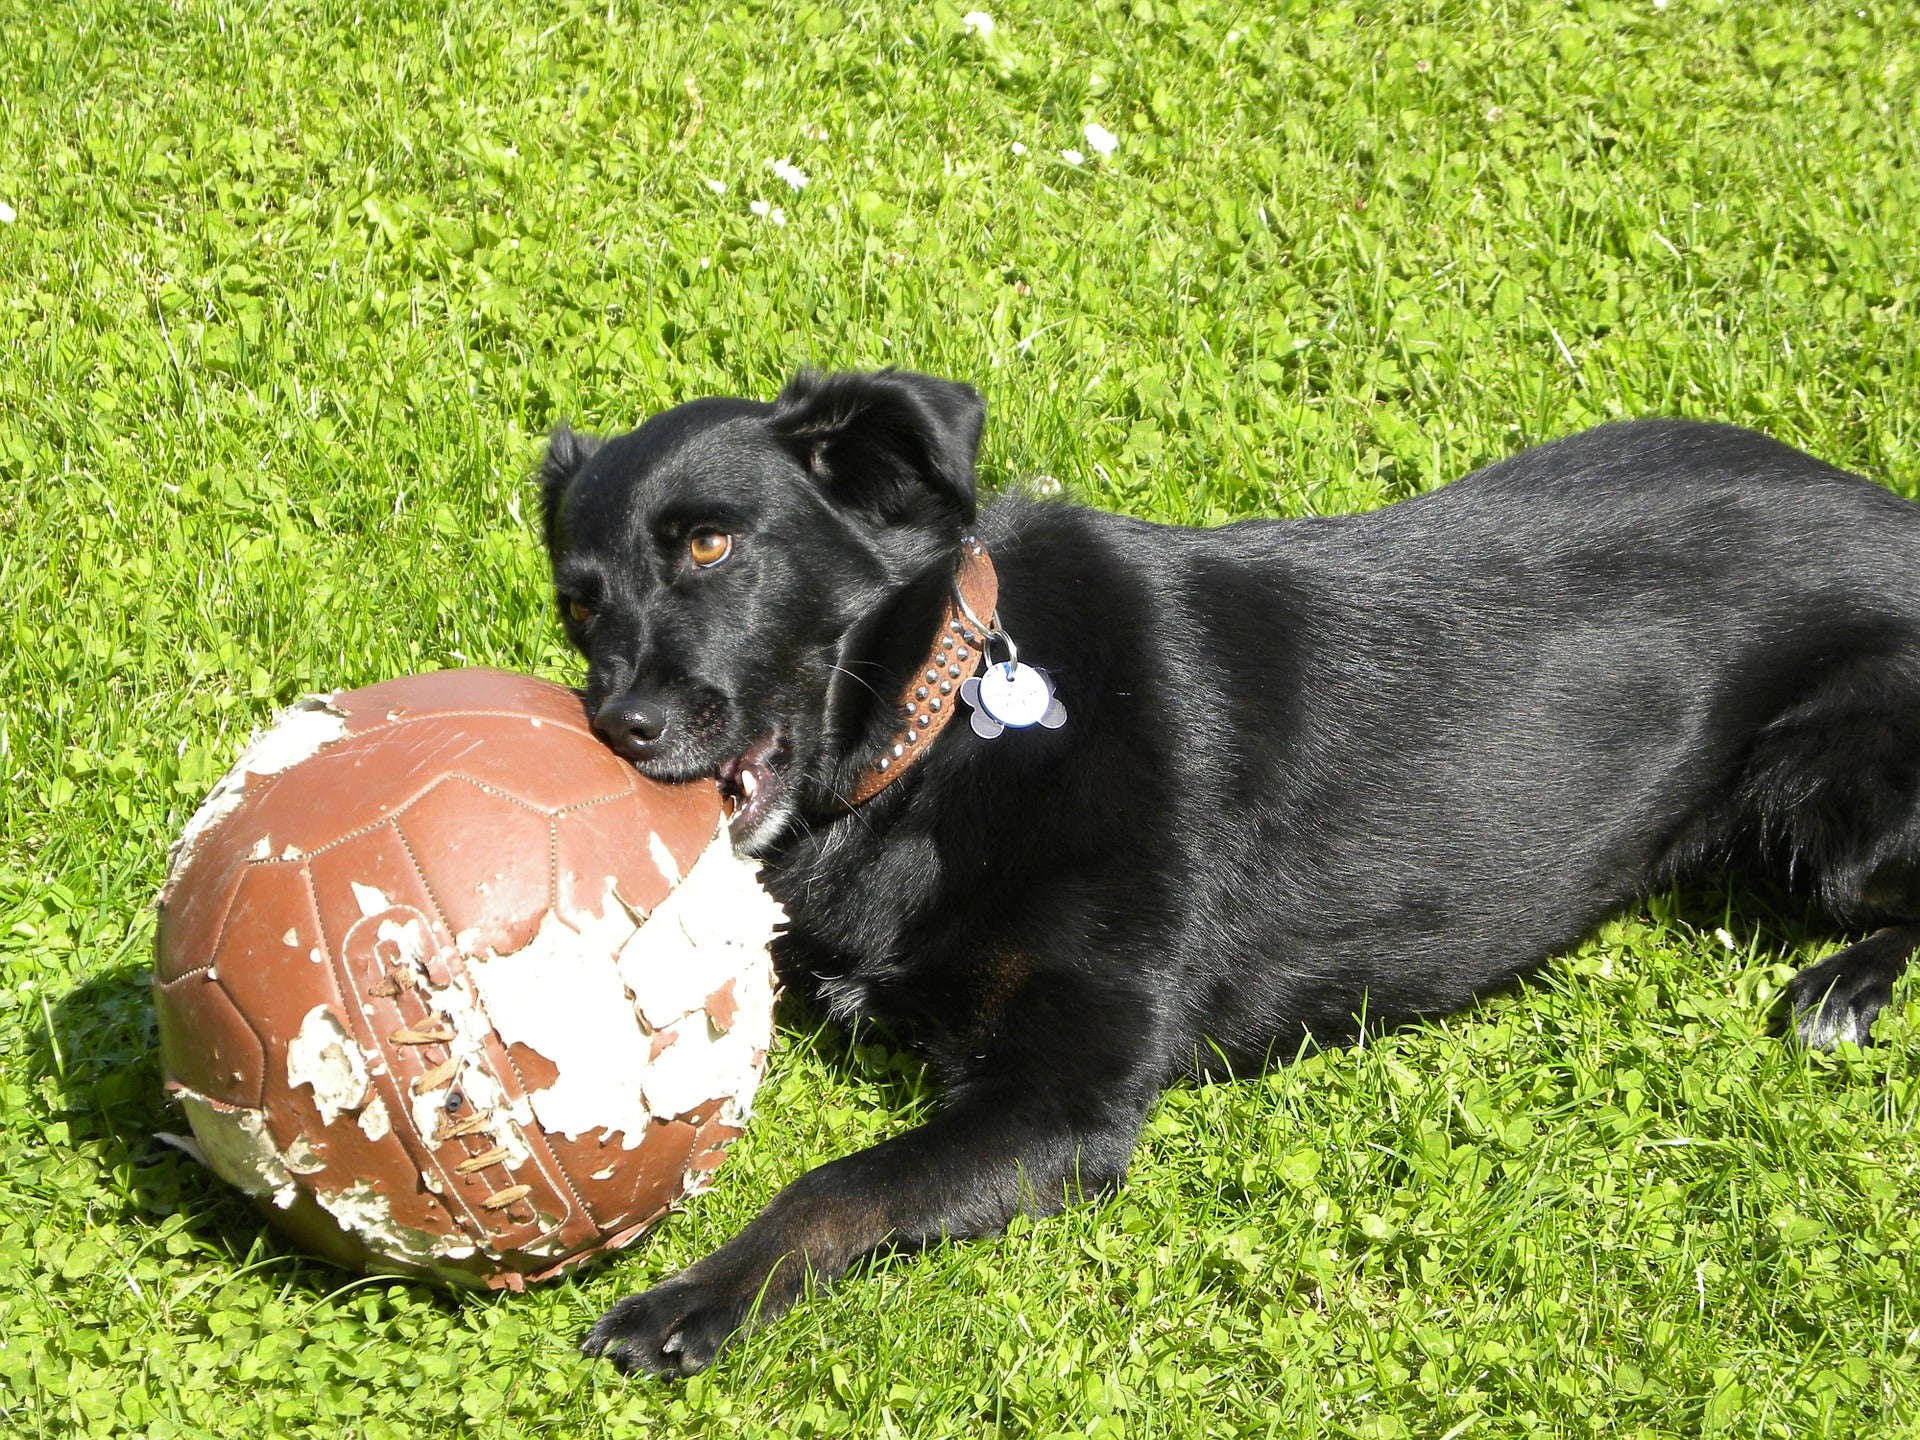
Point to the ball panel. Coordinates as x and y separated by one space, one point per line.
207 1046
535 1070
296 734
487 860
188 929
415 1015
511 716
352 785
574 769
390 951
633 1180
675 824
624 1184
615 844
273 958
447 692
371 774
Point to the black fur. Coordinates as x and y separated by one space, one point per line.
1382 763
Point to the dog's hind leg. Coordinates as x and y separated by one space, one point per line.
1844 791
1835 785
1838 998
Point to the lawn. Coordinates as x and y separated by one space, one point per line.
291 289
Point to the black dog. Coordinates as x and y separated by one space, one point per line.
1308 769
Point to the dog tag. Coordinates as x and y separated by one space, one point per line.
1012 695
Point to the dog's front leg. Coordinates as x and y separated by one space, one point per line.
999 1151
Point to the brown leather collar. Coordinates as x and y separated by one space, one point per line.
933 693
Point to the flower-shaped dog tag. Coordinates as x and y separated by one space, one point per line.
1012 695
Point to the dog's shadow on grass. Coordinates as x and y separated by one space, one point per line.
1761 924
1757 924
866 1054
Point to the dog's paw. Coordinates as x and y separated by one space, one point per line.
1839 998
674 1329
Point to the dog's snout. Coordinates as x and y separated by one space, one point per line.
632 724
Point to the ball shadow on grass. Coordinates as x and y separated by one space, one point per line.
104 1058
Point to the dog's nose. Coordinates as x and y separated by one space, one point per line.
632 724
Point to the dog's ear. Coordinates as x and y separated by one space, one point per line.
889 441
567 452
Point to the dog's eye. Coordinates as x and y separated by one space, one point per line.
708 548
580 612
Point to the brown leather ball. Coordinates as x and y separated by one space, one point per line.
452 989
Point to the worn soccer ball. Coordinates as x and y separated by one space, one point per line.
452 989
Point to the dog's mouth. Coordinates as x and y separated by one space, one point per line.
751 785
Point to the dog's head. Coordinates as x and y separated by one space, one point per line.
747 579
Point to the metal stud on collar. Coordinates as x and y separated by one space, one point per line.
926 705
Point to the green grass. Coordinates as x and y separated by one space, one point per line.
291 291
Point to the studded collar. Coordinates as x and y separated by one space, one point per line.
932 693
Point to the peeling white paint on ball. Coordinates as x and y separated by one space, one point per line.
558 996
324 1056
300 731
663 860
236 1147
362 1210
707 939
601 1026
712 931
408 938
712 928
375 1123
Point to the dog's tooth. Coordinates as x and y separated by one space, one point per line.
748 783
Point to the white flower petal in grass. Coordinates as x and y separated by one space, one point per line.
1101 140
1073 157
7 213
718 187
1018 148
789 172
978 21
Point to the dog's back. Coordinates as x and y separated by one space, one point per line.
1391 760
